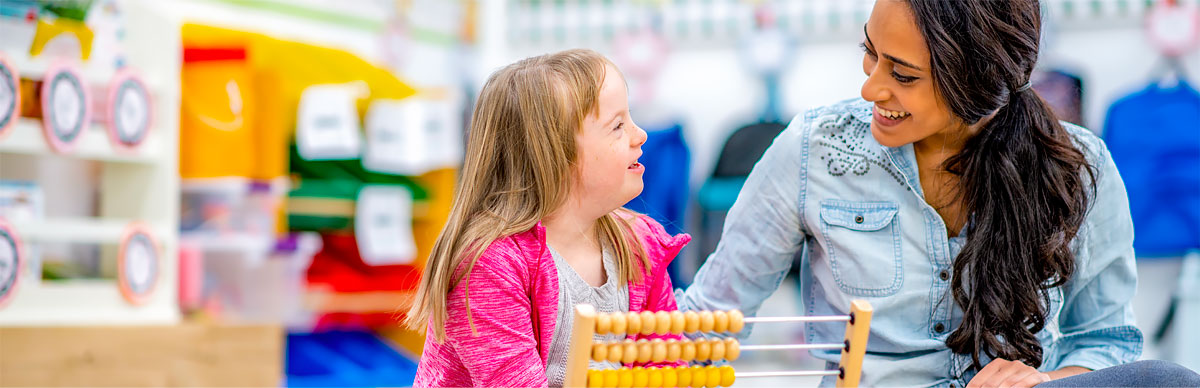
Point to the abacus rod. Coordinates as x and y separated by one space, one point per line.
742 375
830 318
792 347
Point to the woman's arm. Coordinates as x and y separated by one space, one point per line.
762 233
503 349
1097 320
1067 372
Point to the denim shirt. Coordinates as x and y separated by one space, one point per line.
856 212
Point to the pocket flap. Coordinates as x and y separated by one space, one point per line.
862 216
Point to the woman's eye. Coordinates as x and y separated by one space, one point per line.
903 78
866 49
619 126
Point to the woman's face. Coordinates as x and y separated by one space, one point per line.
908 108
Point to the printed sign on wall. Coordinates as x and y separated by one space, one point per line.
137 264
66 107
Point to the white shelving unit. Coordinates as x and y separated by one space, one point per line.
139 185
93 144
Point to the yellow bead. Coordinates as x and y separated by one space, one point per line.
677 322
662 324
684 378
649 322
645 351
616 352
640 377
699 376
629 353
689 351
603 323
706 321
654 377
718 349
618 323
595 378
720 321
624 378
670 377
674 349
659 350
733 349
727 376
610 377
703 350
714 376
633 323
691 322
736 321
599 352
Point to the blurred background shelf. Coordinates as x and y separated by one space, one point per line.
87 230
27 137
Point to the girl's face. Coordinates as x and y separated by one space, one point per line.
609 145
908 108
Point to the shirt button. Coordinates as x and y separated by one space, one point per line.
858 219
940 328
944 275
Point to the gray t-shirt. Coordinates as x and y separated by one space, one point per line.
612 296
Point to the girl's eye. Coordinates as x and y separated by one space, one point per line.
903 79
619 126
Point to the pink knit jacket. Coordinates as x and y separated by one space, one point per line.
514 306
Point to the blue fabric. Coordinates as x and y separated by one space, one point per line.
855 210
664 196
1148 373
1154 137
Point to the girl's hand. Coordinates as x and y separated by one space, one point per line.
1006 374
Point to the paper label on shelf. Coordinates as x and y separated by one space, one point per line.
328 127
444 130
66 106
131 112
383 225
140 264
395 142
413 136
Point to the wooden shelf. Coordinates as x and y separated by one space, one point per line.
26 137
144 355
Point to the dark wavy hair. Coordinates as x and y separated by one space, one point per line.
1022 179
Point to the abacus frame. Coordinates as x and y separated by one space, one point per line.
849 371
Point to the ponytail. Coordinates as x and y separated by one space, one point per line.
1021 175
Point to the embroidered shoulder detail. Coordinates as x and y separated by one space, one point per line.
847 149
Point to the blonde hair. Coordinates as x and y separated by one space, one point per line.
521 160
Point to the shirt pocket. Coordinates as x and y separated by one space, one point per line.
862 241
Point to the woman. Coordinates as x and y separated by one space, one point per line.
993 241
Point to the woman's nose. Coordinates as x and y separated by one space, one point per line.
873 88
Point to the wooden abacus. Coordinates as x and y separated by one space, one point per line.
588 323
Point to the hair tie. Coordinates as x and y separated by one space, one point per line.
1026 86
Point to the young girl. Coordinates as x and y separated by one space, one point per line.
537 227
